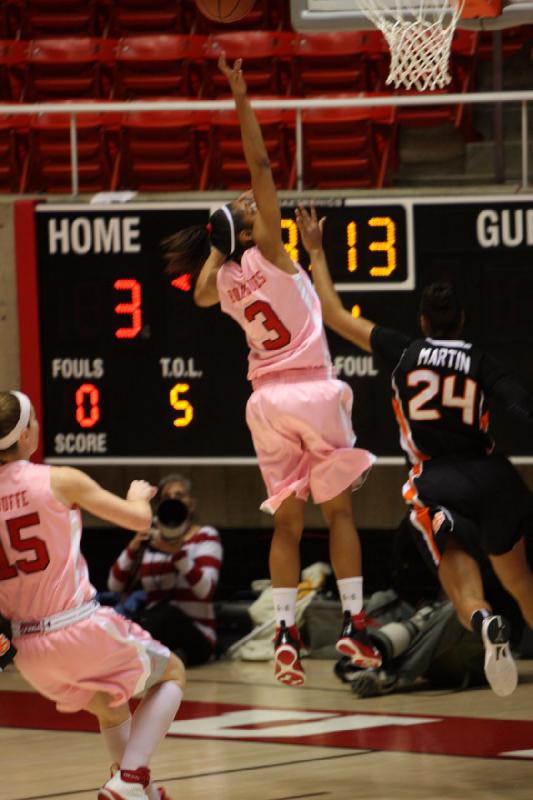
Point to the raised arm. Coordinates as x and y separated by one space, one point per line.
73 487
205 290
336 317
267 227
499 383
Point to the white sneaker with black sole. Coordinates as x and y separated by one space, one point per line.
500 668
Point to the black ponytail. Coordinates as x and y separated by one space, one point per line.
187 250
441 306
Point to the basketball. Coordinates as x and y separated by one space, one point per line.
225 10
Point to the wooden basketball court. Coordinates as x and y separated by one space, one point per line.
241 736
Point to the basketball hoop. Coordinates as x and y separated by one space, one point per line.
419 34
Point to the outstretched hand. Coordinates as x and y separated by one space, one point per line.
233 74
310 227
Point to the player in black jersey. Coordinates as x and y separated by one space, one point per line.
464 497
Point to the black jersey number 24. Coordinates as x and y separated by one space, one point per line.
437 392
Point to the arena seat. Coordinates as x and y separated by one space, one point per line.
326 63
10 16
68 68
49 153
140 17
13 54
462 67
226 166
266 54
348 147
159 152
13 151
159 65
514 40
54 18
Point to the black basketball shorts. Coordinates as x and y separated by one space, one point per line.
482 500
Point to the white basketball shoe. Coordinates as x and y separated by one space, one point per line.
500 668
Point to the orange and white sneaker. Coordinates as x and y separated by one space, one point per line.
355 642
288 667
126 784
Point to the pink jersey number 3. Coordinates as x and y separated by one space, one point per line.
271 322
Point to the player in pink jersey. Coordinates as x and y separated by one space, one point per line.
70 649
299 415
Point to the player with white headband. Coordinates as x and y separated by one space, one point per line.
299 414
76 653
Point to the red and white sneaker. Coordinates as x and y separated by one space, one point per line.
355 642
126 784
288 667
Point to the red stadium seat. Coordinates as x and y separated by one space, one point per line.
514 40
348 147
139 17
13 152
13 54
159 152
266 55
69 68
157 65
10 15
348 61
463 62
49 167
60 18
226 165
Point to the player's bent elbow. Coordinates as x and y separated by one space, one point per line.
139 521
263 162
199 298
205 296
204 300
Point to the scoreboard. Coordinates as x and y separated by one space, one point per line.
124 368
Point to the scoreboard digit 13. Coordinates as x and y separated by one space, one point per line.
123 368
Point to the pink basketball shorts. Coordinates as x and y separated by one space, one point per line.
104 653
303 438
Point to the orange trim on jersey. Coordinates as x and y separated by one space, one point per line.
409 490
420 516
421 519
406 431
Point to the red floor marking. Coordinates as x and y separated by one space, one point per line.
415 733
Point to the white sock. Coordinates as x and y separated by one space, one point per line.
150 723
116 739
351 594
285 605
153 792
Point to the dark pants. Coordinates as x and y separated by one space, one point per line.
177 631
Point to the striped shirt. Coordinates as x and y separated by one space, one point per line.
188 578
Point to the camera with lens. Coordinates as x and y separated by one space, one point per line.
172 519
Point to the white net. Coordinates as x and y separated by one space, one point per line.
419 34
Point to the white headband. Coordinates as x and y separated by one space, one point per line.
25 409
229 216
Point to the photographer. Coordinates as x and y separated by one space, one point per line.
177 564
